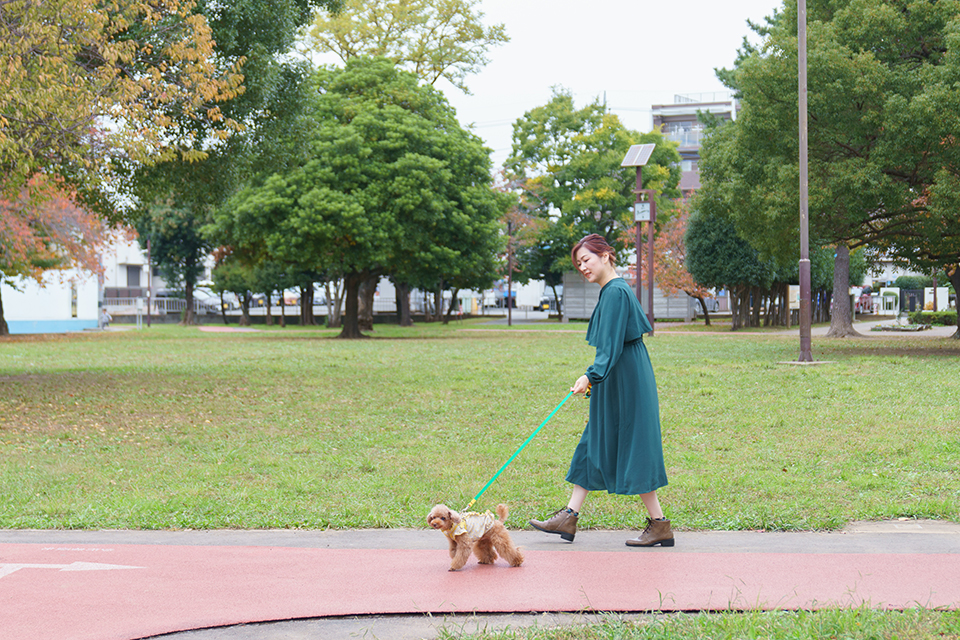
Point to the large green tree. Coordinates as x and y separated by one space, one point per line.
257 33
386 182
882 126
565 163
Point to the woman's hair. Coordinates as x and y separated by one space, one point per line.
596 244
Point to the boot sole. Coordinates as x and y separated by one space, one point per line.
566 536
663 543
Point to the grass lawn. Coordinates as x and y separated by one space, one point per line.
848 624
173 428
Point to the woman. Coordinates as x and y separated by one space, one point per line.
620 450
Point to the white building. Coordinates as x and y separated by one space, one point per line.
71 300
66 301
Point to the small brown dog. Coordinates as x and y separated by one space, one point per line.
480 533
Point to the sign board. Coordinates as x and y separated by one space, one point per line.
139 304
641 212
793 296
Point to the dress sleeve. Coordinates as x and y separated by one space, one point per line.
608 337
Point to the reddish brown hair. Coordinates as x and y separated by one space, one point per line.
596 244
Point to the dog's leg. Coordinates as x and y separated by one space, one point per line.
461 556
503 543
453 547
483 549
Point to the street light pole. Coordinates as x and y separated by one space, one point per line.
806 354
638 156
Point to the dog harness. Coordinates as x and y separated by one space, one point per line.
473 524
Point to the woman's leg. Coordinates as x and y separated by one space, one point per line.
652 503
577 497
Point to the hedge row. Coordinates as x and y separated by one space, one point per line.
946 318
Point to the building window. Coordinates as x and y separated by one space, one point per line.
133 275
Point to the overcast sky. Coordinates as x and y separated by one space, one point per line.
638 52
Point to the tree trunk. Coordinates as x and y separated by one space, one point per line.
368 289
454 303
954 280
403 305
703 307
334 304
245 310
283 310
841 317
555 298
306 306
269 295
188 312
4 329
351 326
223 309
737 305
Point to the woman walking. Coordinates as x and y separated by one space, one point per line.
620 450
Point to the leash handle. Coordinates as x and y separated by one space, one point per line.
517 452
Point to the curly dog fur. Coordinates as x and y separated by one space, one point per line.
463 542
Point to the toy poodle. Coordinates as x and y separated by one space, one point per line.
480 533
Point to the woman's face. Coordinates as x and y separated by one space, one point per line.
593 267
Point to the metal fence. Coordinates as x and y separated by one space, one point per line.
159 306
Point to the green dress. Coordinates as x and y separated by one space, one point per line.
620 450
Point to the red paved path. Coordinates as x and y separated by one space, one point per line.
54 591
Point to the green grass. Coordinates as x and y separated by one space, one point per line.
846 624
173 428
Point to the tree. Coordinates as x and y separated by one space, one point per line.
670 258
432 38
177 246
882 120
388 173
258 33
70 67
43 228
718 257
568 160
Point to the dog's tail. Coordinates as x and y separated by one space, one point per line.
502 512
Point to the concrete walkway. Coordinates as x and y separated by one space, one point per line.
234 585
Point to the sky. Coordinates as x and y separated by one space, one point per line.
637 53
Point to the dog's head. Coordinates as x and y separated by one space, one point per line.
443 517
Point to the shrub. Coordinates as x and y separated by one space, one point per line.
946 318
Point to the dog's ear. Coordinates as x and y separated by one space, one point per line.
454 516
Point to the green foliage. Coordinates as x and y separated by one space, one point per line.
386 182
566 162
432 38
880 109
945 318
718 257
913 282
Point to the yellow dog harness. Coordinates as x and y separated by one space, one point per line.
472 523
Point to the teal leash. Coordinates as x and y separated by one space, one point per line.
517 452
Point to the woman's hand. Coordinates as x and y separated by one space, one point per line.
581 385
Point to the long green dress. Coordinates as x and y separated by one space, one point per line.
620 450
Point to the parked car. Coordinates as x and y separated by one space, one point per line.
211 298
713 305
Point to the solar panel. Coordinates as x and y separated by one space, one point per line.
638 155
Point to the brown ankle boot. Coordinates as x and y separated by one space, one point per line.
563 522
657 532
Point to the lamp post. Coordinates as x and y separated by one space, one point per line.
806 354
638 156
